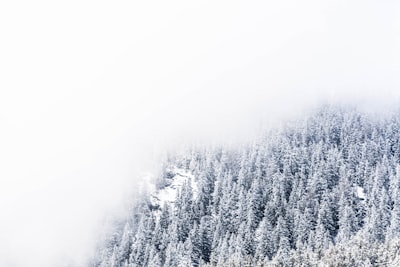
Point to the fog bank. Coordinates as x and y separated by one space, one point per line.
91 92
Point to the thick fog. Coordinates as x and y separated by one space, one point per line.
91 92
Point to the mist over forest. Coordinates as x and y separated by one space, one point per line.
101 102
324 191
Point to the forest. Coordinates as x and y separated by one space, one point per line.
320 191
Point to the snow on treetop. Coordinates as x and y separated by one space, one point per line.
360 193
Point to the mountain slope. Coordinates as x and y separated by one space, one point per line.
324 191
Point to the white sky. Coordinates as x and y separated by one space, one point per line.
90 89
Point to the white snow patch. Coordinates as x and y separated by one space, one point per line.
169 192
360 192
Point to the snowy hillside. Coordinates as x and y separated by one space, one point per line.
174 182
324 191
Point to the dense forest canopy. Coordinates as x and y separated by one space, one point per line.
324 191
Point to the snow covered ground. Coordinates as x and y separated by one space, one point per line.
168 193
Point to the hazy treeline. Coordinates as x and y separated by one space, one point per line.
324 191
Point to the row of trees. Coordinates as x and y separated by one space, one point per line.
324 191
